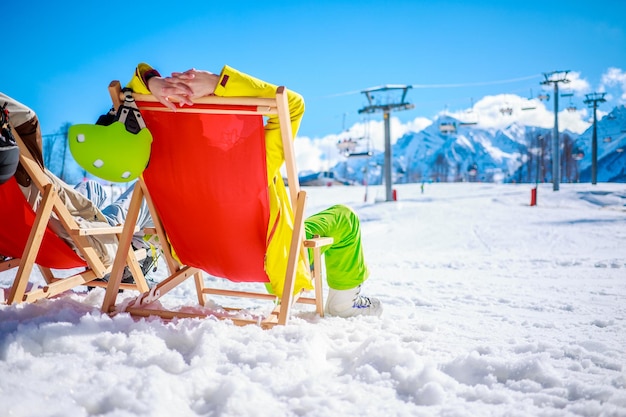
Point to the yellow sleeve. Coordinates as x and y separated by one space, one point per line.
137 83
234 83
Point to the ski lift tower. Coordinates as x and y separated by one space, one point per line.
592 100
387 98
556 77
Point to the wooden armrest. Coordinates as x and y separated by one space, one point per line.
317 242
100 231
140 254
8 263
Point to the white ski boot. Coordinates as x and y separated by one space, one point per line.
349 303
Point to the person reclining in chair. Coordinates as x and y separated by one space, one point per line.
345 265
86 202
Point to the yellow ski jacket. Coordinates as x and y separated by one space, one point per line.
233 83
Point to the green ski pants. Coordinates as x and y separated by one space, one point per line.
344 261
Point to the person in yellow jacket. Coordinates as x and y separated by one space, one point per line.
345 266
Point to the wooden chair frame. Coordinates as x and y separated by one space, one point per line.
51 204
179 273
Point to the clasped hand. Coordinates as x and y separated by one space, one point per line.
183 87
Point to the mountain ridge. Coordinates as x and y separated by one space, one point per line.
450 150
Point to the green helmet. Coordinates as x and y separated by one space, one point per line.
117 152
110 152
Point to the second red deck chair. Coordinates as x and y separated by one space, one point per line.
26 241
207 188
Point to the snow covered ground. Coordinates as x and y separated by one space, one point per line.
492 308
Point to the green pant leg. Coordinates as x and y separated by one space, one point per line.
345 264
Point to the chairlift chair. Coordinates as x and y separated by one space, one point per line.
475 118
447 127
346 145
530 98
571 107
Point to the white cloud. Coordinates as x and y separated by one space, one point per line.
315 154
615 77
500 111
576 85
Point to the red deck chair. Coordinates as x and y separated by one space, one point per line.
26 241
206 186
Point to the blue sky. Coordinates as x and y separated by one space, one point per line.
60 56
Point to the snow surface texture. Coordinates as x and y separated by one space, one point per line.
492 308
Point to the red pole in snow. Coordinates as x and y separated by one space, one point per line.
533 196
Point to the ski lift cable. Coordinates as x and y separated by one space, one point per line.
511 80
452 85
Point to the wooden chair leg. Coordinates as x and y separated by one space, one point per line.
32 246
199 279
292 264
317 281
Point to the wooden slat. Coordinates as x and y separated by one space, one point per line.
266 323
287 138
112 230
318 242
256 110
9 264
292 264
88 252
233 293
32 245
214 100
135 269
124 245
60 285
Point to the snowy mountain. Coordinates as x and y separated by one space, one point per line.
450 150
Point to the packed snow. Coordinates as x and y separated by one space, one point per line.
492 307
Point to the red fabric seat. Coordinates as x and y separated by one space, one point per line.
209 226
16 221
